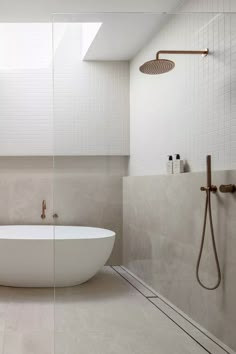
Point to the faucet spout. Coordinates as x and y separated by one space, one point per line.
44 207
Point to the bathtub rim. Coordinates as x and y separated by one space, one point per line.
50 229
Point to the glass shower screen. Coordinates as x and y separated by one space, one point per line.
124 265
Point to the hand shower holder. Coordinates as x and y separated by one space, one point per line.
210 187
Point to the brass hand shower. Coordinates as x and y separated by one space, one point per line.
210 188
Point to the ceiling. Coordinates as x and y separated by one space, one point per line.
121 36
41 11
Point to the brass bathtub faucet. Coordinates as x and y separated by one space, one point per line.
44 207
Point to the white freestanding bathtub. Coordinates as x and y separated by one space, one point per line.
47 256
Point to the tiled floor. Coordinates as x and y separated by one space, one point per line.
106 315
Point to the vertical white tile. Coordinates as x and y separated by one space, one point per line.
190 110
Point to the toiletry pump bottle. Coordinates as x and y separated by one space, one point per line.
178 164
169 165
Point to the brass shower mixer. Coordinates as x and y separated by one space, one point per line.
212 188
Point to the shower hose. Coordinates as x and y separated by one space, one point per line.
208 207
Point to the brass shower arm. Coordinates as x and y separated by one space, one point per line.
203 52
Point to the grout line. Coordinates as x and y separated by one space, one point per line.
205 334
201 345
180 314
162 311
154 294
127 281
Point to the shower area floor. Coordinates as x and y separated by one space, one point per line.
111 314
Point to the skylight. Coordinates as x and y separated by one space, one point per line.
89 32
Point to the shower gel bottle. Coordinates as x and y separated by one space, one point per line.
169 165
178 164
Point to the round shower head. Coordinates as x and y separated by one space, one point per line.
157 66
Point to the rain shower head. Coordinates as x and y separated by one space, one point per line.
161 66
157 66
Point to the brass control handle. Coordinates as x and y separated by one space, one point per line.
227 188
212 189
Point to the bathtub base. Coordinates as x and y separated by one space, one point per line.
56 261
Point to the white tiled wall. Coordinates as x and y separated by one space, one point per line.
26 89
91 101
192 109
207 6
